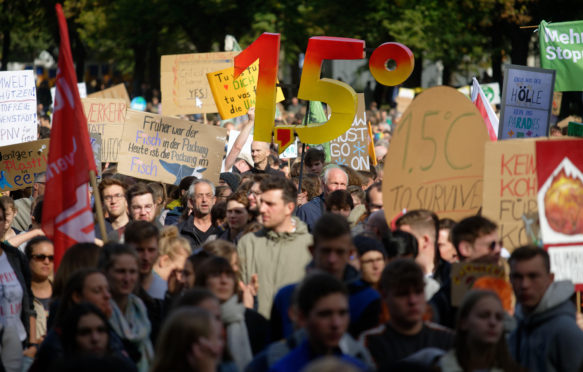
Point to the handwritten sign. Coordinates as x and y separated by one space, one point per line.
234 97
510 188
96 145
526 102
116 91
351 148
436 157
184 85
106 116
566 263
164 149
465 274
18 121
19 163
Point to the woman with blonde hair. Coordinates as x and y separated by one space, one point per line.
479 340
174 250
190 340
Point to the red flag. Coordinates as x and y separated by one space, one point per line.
67 216
490 119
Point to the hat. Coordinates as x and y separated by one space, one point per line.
231 179
365 244
247 157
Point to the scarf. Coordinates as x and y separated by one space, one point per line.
233 317
134 326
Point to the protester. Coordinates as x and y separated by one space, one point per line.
129 318
112 192
140 199
323 311
372 257
480 343
546 337
198 227
247 330
40 253
190 268
402 285
314 161
279 251
11 213
446 249
238 217
174 250
190 341
334 178
260 153
339 202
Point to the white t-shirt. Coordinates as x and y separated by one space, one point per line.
10 298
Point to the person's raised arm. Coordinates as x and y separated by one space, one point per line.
240 141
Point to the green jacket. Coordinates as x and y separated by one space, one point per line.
278 259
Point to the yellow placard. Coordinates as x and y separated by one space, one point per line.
234 97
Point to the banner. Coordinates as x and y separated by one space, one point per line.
67 214
184 85
106 116
351 148
163 149
234 97
436 157
527 100
510 188
116 91
465 275
18 120
561 50
20 163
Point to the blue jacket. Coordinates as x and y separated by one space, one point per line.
311 212
301 356
548 339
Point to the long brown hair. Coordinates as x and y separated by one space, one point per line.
500 357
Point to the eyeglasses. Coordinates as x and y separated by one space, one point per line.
42 257
109 198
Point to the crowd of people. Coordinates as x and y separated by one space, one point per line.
270 270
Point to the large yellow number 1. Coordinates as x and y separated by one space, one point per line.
338 95
266 49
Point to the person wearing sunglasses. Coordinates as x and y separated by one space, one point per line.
40 253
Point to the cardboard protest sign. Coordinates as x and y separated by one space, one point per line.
116 91
234 97
351 148
164 149
510 188
106 116
436 157
18 120
96 145
465 274
560 193
19 163
560 50
527 98
184 85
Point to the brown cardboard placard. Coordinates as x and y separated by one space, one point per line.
351 148
116 91
436 157
464 274
510 187
184 85
557 99
106 116
164 149
19 163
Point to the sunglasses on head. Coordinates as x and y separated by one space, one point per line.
42 257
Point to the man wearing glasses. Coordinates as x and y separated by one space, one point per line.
140 198
112 193
199 227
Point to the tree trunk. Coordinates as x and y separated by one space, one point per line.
5 49
140 53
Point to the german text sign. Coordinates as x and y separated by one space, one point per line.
18 121
510 187
164 149
351 148
19 163
184 85
106 116
436 157
527 100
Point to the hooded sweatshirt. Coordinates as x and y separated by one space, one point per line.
548 339
278 259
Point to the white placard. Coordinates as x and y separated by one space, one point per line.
18 119
566 263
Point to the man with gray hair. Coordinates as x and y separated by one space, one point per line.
334 178
198 227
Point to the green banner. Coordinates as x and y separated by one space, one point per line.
561 49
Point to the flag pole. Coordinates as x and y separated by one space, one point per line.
98 207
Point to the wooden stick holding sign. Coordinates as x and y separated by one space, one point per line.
98 206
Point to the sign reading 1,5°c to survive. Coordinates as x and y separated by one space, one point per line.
527 100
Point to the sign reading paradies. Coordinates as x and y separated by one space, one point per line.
436 157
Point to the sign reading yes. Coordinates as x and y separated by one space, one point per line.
338 95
